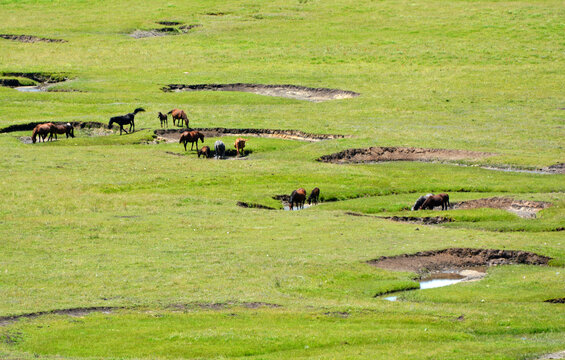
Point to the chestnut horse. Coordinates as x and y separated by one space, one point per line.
66 129
436 200
314 196
205 152
191 137
180 116
297 197
42 130
164 119
239 145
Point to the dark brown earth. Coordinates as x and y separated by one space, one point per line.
419 220
5 320
169 23
378 154
556 301
457 258
29 38
139 34
174 134
522 208
40 77
252 205
286 91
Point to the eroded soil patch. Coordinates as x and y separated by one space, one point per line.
174 134
456 258
285 91
140 34
380 154
30 38
39 81
5 320
556 301
523 208
252 205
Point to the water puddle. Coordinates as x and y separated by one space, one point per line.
442 279
287 207
29 88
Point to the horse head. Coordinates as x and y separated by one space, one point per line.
110 124
138 110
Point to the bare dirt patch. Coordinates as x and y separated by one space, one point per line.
77 312
523 208
30 38
456 258
555 169
140 34
285 91
556 355
174 134
252 205
556 301
380 154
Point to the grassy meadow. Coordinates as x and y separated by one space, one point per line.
154 231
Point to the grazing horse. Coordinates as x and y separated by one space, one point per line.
239 145
180 116
66 129
436 200
42 130
205 151
220 149
191 137
127 119
314 196
420 201
164 119
297 197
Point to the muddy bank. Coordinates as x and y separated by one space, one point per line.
40 81
556 301
379 154
523 208
456 258
174 134
285 91
252 205
418 220
5 320
31 125
30 38
170 30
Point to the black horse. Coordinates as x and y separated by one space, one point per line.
125 120
314 196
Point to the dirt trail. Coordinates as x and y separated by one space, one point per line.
285 91
457 258
174 134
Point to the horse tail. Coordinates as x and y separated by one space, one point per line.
34 135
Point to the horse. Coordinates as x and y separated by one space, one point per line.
420 201
164 119
297 197
66 129
205 151
42 130
125 120
220 149
436 200
180 115
314 196
239 145
191 137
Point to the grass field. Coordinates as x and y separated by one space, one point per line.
123 222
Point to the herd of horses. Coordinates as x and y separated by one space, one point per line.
41 131
298 197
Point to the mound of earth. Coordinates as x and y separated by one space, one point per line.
457 258
252 205
174 134
378 154
140 34
285 91
29 38
522 208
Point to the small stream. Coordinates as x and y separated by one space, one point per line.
28 88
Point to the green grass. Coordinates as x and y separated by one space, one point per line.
120 221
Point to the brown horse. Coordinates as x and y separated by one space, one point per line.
436 200
164 119
180 116
239 145
205 151
314 196
66 129
297 197
42 130
191 137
